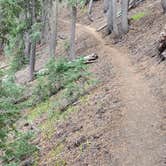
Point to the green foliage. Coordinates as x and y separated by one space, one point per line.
35 32
19 149
59 74
14 50
2 73
14 145
138 16
66 45
16 20
76 2
9 91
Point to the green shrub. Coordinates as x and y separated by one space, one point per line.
59 75
15 146
138 16
19 149
9 91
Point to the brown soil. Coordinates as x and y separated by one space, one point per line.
120 123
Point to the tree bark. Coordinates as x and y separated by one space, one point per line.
106 6
33 46
73 31
110 18
114 17
90 10
53 25
124 18
44 19
163 4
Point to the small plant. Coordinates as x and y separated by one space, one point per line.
138 16
15 146
66 45
19 148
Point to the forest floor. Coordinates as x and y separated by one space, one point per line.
122 121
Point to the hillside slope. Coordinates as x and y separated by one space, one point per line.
121 122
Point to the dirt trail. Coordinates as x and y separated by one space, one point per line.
141 142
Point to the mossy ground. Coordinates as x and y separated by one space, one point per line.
47 127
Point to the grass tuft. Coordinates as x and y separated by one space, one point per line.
138 16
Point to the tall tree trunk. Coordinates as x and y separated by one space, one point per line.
53 25
90 7
73 31
90 10
32 60
124 21
27 44
33 46
44 18
110 18
114 15
106 5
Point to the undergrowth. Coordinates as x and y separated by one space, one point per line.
58 75
138 16
67 79
14 145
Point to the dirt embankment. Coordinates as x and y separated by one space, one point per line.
120 123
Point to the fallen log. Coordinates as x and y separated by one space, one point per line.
90 58
4 67
102 27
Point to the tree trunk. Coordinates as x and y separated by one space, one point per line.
90 7
44 19
33 46
124 20
163 4
73 31
114 15
106 5
53 25
27 44
90 10
110 18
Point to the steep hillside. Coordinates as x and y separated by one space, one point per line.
118 117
